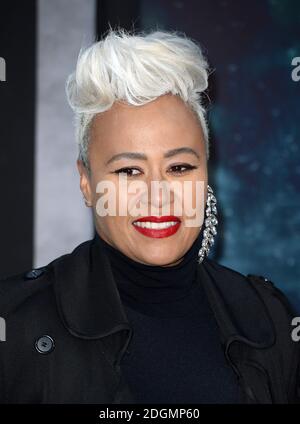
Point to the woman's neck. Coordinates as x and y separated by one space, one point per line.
145 284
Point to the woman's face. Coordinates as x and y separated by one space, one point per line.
153 131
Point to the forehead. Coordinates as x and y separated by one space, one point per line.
164 122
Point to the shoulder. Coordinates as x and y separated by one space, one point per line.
255 302
17 289
234 276
261 309
33 284
241 286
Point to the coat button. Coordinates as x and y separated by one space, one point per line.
264 278
44 344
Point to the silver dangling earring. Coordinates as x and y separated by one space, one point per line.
211 222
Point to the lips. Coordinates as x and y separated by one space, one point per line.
168 218
157 227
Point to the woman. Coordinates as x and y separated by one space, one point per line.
139 314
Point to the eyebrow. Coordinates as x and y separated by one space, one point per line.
142 156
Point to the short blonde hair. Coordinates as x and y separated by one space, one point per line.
135 68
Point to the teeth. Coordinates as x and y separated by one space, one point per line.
155 225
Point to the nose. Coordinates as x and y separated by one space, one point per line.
160 194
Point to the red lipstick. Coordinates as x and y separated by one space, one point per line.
160 231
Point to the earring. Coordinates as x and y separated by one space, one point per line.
210 224
86 202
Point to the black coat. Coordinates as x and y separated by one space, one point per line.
66 332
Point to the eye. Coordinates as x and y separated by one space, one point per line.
182 168
127 171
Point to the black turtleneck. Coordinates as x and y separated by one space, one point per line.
148 288
175 355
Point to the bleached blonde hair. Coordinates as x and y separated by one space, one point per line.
135 68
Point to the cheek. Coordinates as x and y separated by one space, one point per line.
133 201
194 203
114 228
122 199
194 194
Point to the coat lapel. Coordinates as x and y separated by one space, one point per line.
88 300
246 329
238 308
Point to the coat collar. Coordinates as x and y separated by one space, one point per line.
239 310
87 296
90 306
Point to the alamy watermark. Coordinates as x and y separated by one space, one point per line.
2 69
296 331
2 330
296 71
178 198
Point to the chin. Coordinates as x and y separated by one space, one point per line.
158 260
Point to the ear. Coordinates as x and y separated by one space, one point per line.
85 185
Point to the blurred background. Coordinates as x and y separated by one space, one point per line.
254 117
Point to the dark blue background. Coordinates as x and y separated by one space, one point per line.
254 117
